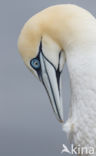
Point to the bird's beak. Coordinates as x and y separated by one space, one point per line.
51 81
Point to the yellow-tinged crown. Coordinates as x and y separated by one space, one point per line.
63 23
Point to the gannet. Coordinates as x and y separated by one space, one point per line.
59 34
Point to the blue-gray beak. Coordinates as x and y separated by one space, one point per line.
52 82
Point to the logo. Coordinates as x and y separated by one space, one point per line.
77 150
65 149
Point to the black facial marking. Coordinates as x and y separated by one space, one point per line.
51 91
39 71
58 73
40 47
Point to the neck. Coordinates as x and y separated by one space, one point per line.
81 62
82 69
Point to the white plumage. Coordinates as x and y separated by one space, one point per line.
55 35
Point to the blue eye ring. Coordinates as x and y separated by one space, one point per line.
35 63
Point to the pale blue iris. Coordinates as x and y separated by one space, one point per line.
35 63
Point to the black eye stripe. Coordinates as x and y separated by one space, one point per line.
38 68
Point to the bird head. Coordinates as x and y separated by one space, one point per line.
42 44
44 57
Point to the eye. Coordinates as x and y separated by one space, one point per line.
35 63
